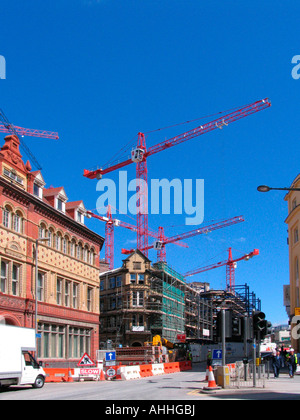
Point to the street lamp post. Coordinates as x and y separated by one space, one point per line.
265 188
36 280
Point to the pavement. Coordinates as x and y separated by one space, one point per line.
281 388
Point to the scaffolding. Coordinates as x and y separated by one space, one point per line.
163 305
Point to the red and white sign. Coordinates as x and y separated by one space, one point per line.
85 361
89 371
111 372
181 338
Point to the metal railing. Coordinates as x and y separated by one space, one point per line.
247 375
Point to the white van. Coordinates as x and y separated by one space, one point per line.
17 365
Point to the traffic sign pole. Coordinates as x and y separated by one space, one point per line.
223 338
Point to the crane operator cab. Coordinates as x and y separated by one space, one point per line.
157 245
137 155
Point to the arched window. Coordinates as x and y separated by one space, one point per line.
65 245
58 241
7 217
79 251
42 230
18 222
92 256
72 247
51 237
85 253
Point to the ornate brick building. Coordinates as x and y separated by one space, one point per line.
68 265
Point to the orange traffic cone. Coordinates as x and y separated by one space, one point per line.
70 379
212 386
206 374
102 376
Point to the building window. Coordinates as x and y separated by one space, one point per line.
58 242
65 245
119 281
102 285
59 284
92 257
75 295
67 293
112 303
85 254
72 248
41 286
4 277
137 298
53 341
37 190
79 217
59 204
51 237
296 236
42 230
15 281
112 282
17 219
89 298
7 217
79 342
141 278
137 265
294 204
132 278
13 175
79 251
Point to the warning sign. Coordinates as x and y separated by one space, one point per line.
85 361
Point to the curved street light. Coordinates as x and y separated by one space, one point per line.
265 188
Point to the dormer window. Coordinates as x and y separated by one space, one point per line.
80 217
37 190
60 204
38 185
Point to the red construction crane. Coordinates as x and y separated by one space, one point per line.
140 154
110 223
160 244
7 127
230 268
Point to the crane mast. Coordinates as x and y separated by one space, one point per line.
140 154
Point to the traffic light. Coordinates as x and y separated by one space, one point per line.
247 328
228 324
236 327
258 323
266 329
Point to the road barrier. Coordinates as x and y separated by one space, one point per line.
130 372
58 374
145 371
121 372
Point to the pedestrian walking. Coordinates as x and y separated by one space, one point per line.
209 358
276 363
292 362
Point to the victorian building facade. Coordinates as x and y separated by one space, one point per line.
67 289
292 291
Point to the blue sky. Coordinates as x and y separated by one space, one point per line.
98 72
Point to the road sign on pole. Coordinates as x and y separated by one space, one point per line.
110 356
217 354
